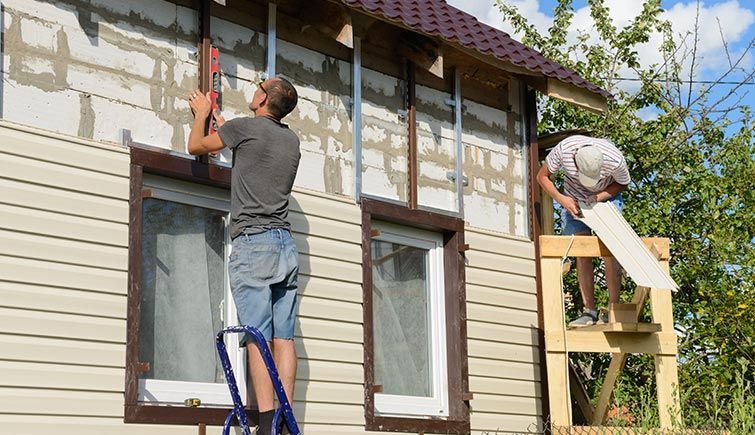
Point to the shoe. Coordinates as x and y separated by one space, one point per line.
588 318
603 317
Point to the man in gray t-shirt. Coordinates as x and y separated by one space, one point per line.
264 262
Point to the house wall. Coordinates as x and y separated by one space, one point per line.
63 287
85 69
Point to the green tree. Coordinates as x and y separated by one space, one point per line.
693 168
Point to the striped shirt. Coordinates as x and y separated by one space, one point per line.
562 157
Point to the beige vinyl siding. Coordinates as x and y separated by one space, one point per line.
63 289
63 294
504 360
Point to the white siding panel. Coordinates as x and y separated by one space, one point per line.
329 330
60 402
503 351
329 371
62 275
62 251
87 155
60 376
505 423
45 298
330 289
323 227
501 333
502 316
326 309
499 243
28 195
500 262
500 387
329 268
489 278
504 360
328 248
501 297
490 368
71 326
70 227
507 404
62 351
20 168
327 350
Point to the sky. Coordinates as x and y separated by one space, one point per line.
736 18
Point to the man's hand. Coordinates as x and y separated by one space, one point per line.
200 104
570 204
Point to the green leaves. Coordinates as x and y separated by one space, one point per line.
692 182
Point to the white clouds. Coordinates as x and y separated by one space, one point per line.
735 18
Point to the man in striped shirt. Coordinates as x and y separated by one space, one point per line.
594 171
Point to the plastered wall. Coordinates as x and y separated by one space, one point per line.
92 67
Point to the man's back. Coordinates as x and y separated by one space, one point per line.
265 160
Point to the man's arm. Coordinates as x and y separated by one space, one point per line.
612 190
569 203
199 144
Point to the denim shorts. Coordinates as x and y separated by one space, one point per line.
570 225
263 270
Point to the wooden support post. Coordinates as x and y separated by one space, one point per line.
618 360
555 354
609 384
546 206
666 375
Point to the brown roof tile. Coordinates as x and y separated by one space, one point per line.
437 18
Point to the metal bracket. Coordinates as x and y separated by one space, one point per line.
451 175
452 103
402 114
125 135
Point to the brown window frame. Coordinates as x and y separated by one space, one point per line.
170 164
452 229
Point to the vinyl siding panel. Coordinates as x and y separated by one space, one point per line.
504 360
63 287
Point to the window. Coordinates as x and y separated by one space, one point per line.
414 320
179 294
409 322
185 296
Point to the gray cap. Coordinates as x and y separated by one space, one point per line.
589 160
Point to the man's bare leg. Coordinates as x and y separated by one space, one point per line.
285 360
263 387
613 278
586 278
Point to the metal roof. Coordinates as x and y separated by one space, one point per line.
437 18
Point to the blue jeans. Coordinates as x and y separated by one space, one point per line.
570 225
263 270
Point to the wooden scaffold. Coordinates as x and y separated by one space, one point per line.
624 334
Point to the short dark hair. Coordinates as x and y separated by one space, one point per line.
281 97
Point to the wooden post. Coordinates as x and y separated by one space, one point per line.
617 364
555 355
666 375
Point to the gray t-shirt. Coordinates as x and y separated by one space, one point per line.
265 159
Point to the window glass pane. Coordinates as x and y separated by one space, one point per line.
182 291
401 319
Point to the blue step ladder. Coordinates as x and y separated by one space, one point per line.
238 411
